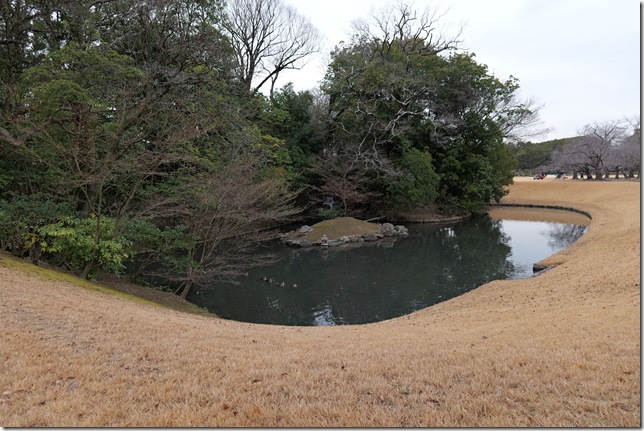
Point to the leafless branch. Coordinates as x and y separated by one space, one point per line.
268 37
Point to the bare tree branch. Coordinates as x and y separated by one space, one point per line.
400 22
591 152
268 37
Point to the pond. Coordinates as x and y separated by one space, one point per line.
392 277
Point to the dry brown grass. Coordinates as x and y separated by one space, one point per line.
339 227
561 349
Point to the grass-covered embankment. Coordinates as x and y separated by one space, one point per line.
561 349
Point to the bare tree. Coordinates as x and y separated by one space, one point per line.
519 119
268 37
625 157
226 213
420 33
342 177
592 151
631 148
416 31
632 151
570 159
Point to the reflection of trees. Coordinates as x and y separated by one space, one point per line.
473 253
564 235
432 265
374 281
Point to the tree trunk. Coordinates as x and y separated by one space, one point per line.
34 252
87 269
186 288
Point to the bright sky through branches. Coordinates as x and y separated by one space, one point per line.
580 58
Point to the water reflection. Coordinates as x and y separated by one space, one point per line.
378 281
559 235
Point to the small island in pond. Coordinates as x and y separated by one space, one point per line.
339 231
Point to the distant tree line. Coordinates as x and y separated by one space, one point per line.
601 149
533 157
138 133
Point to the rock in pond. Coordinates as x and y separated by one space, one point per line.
340 231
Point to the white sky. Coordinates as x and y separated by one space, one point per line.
579 58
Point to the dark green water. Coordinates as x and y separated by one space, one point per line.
389 278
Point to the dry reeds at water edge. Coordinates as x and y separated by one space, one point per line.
561 349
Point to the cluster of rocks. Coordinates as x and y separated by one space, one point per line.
386 230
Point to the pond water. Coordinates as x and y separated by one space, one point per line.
392 277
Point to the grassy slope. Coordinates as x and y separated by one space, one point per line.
561 349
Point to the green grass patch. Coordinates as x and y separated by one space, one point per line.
122 288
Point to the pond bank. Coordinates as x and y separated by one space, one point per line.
558 350
539 213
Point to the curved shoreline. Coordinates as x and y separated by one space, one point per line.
546 213
561 349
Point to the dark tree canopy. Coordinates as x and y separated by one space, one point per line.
136 133
400 83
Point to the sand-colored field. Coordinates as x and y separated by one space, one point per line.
560 349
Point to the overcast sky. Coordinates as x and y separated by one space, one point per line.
579 58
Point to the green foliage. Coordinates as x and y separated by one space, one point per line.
531 156
331 213
286 117
503 164
80 99
73 79
32 171
123 132
86 244
153 245
388 95
146 237
275 151
418 187
21 218
471 180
